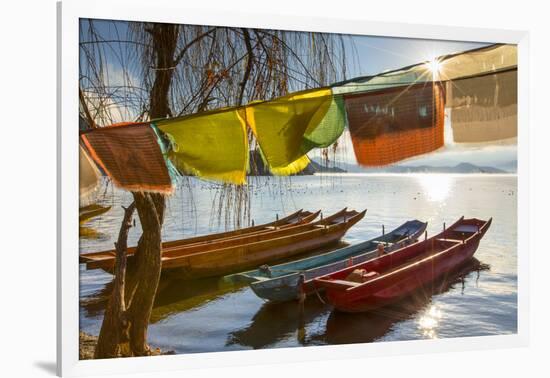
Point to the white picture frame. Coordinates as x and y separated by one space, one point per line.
68 363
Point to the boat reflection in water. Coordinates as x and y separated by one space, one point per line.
173 296
89 232
317 324
347 328
176 296
275 322
289 324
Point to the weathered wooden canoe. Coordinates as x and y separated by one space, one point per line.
106 259
218 262
388 278
86 213
280 283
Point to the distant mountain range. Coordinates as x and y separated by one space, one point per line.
459 168
317 166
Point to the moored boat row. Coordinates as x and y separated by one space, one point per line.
262 249
224 254
281 282
356 278
105 259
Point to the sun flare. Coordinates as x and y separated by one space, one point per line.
435 186
434 66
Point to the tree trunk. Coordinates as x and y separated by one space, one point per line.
114 329
145 274
147 269
165 39
138 283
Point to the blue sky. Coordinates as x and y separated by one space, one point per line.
367 55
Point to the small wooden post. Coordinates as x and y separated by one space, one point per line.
301 335
383 230
444 229
252 222
301 289
425 235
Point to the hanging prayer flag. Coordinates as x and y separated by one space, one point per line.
484 108
211 145
417 74
88 173
131 156
329 129
393 124
491 59
288 127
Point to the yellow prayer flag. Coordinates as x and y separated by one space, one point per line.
280 125
210 145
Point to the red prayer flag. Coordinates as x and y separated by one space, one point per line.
131 156
396 123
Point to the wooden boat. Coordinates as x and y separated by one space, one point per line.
365 327
88 212
187 264
388 278
106 259
280 283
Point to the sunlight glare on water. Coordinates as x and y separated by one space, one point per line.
436 187
429 321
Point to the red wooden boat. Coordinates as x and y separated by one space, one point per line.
386 279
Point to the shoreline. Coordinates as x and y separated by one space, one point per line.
87 344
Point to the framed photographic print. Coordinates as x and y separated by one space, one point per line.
253 187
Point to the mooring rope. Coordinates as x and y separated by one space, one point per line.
319 296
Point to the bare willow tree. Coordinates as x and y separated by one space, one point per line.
144 71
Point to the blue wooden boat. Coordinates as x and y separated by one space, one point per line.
280 283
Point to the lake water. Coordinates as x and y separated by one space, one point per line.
205 316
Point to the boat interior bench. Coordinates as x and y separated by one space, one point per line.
449 240
385 243
467 228
344 283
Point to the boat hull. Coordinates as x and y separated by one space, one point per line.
403 286
287 288
106 259
88 212
384 280
232 260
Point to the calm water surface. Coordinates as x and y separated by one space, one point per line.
206 315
